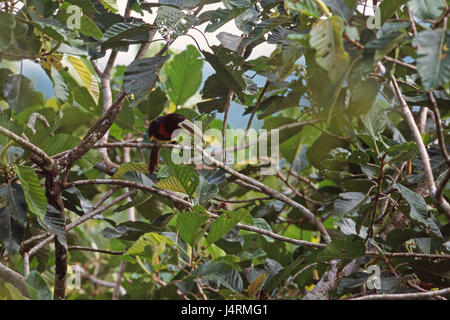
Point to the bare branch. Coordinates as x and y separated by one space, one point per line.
44 158
402 296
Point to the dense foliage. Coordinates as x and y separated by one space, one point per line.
359 195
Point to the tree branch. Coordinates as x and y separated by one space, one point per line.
403 296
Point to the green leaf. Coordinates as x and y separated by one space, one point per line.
149 239
34 193
210 270
19 92
13 216
60 87
433 58
50 26
140 198
130 230
189 224
186 175
154 104
419 209
228 66
349 203
7 25
217 18
130 167
326 38
37 287
55 224
86 5
124 33
184 75
140 77
110 5
224 223
89 28
183 4
343 249
426 9
205 190
375 121
59 143
305 7
88 79
214 94
173 22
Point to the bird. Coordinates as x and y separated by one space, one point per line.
160 130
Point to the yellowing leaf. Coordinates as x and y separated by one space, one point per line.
88 79
256 285
172 184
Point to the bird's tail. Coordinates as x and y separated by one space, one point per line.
154 159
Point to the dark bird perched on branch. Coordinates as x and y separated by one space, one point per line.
161 130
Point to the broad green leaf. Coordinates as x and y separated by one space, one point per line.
86 5
256 285
214 94
224 223
55 224
173 22
89 28
149 239
375 121
205 190
343 249
419 209
60 87
13 217
154 104
305 7
263 224
110 5
130 167
124 33
433 58
388 9
50 26
34 193
19 92
140 76
130 230
228 66
189 224
212 269
183 4
217 18
426 9
87 78
349 203
184 75
171 183
7 25
326 38
186 175
138 177
140 198
59 143
37 287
